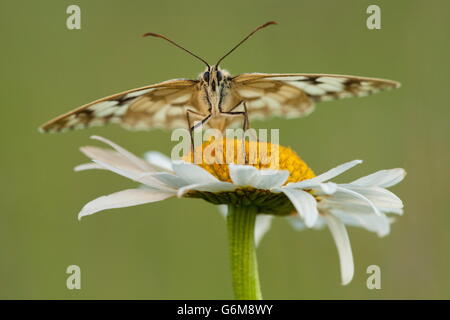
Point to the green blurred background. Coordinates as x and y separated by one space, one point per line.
177 249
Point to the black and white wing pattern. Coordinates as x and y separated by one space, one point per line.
161 105
294 95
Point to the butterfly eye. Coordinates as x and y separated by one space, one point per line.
219 76
206 76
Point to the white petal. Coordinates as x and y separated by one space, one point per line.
243 175
88 166
340 236
121 164
297 223
218 186
223 210
330 174
380 197
391 210
326 188
192 173
136 176
262 225
361 197
112 158
166 178
215 187
304 203
141 163
381 225
268 179
159 160
382 178
125 198
129 173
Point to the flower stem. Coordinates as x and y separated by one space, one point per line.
244 267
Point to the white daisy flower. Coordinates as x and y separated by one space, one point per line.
291 189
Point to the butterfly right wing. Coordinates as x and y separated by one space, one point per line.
294 95
266 98
161 105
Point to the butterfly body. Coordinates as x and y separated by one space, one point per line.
215 86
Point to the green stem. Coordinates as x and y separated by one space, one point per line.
244 267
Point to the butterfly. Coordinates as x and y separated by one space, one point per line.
216 99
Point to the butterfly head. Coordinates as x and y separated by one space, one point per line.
214 77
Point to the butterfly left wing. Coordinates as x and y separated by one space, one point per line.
294 95
160 105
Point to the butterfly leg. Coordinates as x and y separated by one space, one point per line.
244 113
246 124
195 126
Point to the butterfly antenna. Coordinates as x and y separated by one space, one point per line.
156 35
245 39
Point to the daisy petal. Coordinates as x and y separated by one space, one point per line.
192 173
110 157
242 175
304 203
88 166
159 160
361 197
168 179
262 225
218 186
326 188
142 164
266 179
125 198
136 176
330 174
297 223
380 197
126 172
223 210
382 178
381 225
215 187
340 236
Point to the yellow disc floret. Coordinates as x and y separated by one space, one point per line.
215 156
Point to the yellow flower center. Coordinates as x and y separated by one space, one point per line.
215 155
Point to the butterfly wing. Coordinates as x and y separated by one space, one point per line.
294 95
161 105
